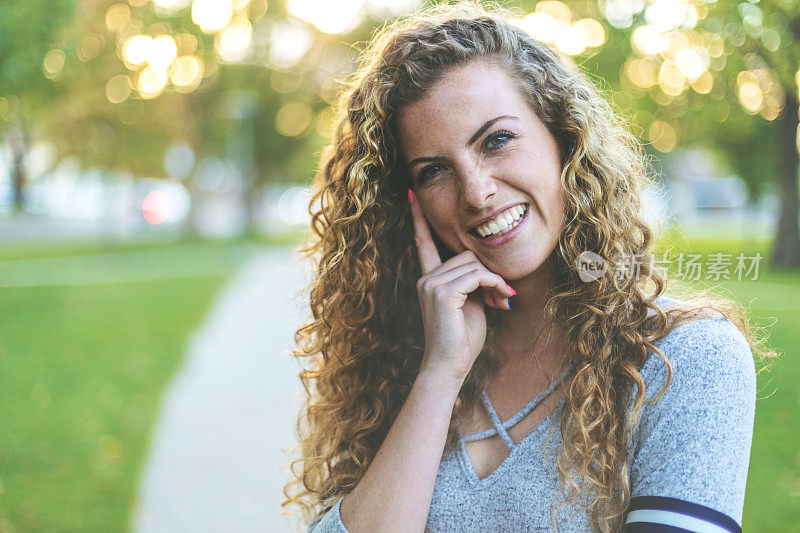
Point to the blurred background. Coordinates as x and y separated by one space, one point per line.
155 158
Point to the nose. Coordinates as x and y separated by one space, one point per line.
477 187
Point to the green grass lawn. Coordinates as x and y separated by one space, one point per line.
83 368
772 501
82 371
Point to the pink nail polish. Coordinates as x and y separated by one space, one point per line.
410 196
513 292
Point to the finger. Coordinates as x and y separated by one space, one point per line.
499 301
489 298
442 278
469 282
429 257
463 258
448 275
497 298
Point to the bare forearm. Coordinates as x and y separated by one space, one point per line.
396 490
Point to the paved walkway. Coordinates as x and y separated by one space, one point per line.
217 462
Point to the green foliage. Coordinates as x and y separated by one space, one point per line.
755 35
28 29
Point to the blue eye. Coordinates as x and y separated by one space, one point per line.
430 172
499 135
426 174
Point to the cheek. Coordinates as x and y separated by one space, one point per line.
444 228
434 211
446 233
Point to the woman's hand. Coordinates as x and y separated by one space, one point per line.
452 313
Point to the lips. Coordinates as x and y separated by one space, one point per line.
494 216
498 240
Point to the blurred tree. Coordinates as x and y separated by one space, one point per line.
142 76
719 74
28 29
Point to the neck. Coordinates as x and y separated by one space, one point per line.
518 329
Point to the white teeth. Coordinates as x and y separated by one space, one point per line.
503 222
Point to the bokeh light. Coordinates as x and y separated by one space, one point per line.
662 135
558 11
540 26
118 88
692 62
671 14
570 40
288 44
233 42
293 118
293 205
704 83
117 17
162 52
329 17
648 40
619 13
641 72
136 49
325 122
593 32
156 207
179 161
90 47
151 82
670 78
186 73
211 15
750 96
257 9
551 23
53 63
171 5
186 44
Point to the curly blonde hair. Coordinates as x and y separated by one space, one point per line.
365 342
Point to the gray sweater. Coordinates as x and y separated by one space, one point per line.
689 458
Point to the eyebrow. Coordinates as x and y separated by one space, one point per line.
472 140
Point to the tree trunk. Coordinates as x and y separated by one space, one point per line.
786 248
18 140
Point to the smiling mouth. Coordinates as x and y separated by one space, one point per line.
502 224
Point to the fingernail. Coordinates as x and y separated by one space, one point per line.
509 303
410 196
513 292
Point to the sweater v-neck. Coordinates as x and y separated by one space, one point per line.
501 428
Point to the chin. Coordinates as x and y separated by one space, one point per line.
522 268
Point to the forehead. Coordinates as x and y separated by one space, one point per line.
457 105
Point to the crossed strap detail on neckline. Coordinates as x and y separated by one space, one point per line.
501 428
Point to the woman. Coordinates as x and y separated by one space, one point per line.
469 158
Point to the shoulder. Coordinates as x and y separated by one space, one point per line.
710 353
691 450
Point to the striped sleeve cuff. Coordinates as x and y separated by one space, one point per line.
660 514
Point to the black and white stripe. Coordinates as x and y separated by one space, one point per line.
660 514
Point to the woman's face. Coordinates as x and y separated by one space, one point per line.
474 149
